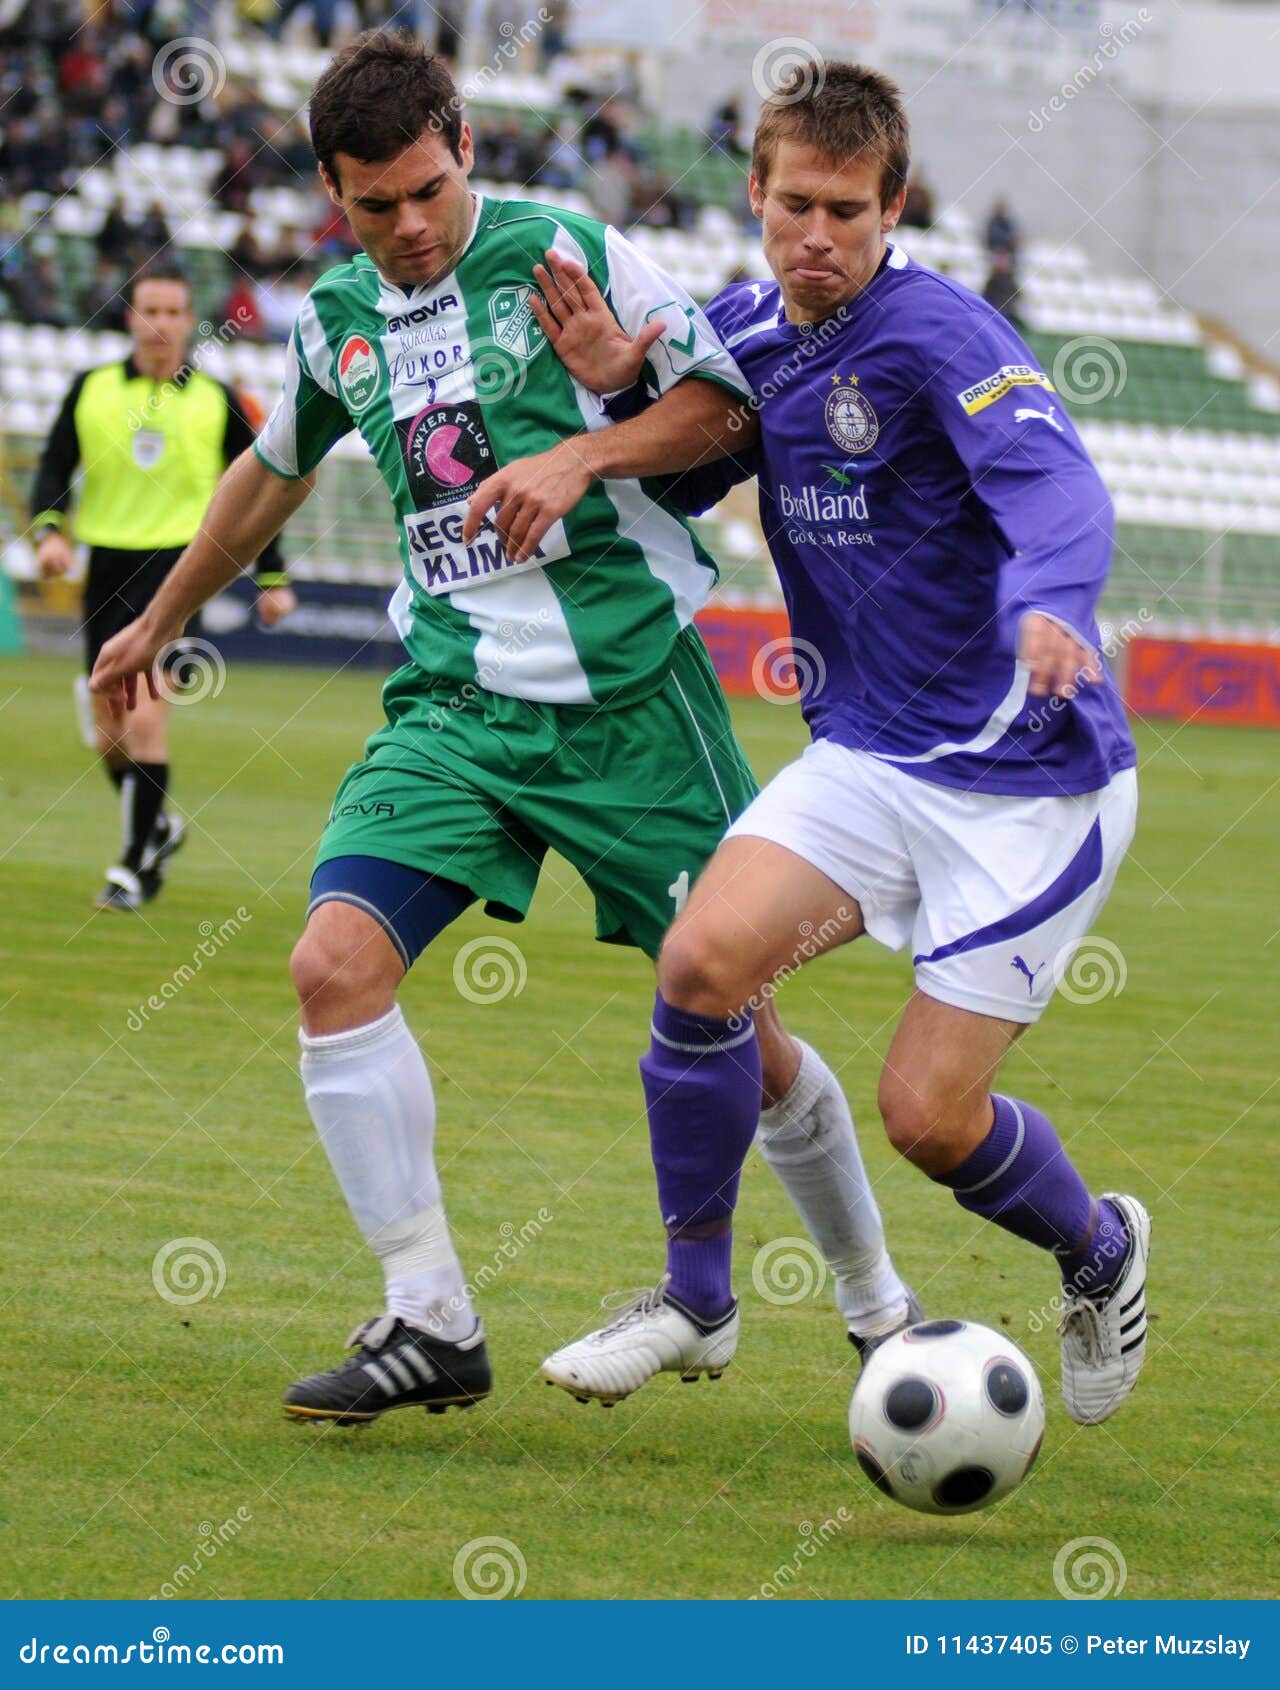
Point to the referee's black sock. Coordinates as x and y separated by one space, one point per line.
150 782
117 775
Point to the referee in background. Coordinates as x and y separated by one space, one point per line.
152 436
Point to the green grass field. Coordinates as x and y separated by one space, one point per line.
135 1428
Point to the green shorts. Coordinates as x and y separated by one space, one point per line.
476 788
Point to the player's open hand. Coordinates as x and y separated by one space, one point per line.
528 496
585 335
1059 664
134 651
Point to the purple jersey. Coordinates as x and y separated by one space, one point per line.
921 490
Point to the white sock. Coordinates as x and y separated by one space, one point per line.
370 1096
808 1139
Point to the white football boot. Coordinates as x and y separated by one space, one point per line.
123 890
652 1334
1104 1338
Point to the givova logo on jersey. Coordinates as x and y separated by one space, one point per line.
446 451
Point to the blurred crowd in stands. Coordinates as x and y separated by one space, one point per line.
79 80
1001 236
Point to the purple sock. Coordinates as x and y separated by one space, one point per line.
1096 1266
1021 1178
702 1087
699 1266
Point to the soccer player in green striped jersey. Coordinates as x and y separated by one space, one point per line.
560 700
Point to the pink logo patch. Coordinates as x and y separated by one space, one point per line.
446 450
448 470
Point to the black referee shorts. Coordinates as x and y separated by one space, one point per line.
119 587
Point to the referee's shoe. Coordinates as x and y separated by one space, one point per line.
126 888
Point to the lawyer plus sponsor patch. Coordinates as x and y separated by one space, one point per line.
446 452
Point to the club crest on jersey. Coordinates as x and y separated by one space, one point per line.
358 372
514 326
850 417
148 447
446 450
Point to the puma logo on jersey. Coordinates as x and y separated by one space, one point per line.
1024 413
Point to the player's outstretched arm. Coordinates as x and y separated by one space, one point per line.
249 507
697 422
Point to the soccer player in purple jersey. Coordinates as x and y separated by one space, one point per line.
942 539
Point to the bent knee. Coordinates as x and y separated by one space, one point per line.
934 1125
314 968
698 971
909 1115
336 961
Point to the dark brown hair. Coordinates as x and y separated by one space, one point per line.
845 111
376 97
161 270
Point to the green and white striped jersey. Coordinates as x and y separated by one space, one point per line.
448 382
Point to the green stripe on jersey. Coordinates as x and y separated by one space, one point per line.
449 382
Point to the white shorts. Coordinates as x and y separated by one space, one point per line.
994 893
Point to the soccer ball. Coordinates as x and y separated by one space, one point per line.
947 1416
